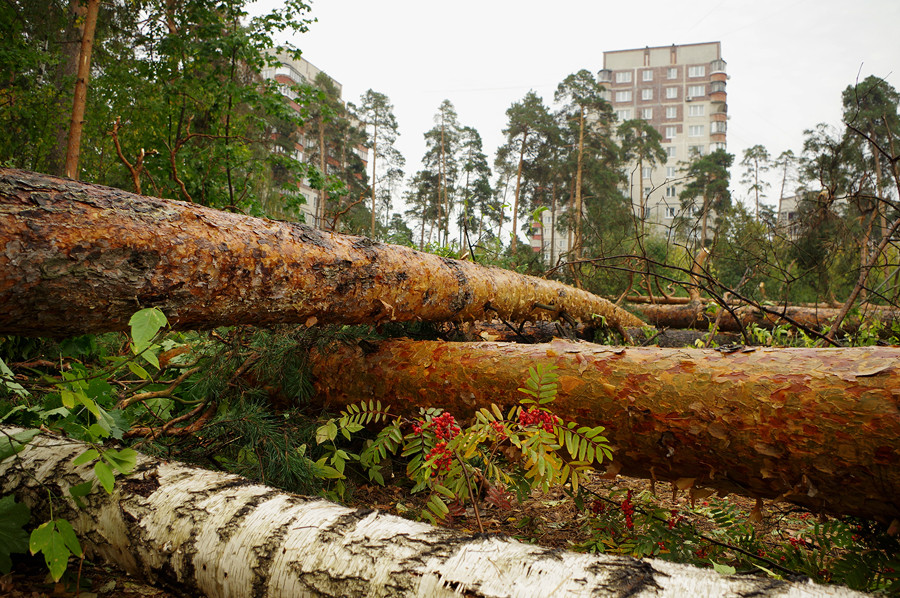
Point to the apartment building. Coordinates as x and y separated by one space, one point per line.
287 74
681 91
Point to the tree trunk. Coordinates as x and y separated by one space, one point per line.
578 198
374 159
202 532
77 258
695 315
515 212
817 427
76 126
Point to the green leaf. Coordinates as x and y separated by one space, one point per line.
124 460
81 490
14 443
144 326
723 569
13 537
40 537
68 536
139 371
85 457
56 555
7 379
105 475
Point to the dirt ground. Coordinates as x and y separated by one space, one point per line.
549 519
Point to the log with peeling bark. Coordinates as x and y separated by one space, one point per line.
816 427
696 315
78 258
202 532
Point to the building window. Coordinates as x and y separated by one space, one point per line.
647 75
716 146
671 112
623 96
623 115
696 91
696 149
623 77
670 191
672 73
670 211
670 172
645 171
647 94
647 191
696 130
671 151
645 213
647 113
697 71
671 93
696 110
670 132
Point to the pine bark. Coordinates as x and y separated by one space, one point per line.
201 532
816 427
695 315
77 258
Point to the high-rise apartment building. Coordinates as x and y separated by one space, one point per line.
680 90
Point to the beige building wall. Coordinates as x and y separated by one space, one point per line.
680 90
291 72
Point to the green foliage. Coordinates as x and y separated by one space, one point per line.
718 533
57 541
13 537
454 465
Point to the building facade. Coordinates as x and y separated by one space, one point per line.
288 73
681 91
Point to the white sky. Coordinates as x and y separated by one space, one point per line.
788 60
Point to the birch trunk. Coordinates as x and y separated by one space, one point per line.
201 532
77 258
816 427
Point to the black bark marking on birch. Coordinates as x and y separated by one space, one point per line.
228 529
626 577
142 484
265 555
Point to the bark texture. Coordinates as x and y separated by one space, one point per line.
197 532
694 315
77 258
817 427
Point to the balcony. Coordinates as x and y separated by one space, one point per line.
717 66
604 76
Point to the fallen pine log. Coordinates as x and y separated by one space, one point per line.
816 427
77 258
202 532
697 315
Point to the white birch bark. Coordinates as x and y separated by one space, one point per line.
197 531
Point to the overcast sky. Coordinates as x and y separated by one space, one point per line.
788 60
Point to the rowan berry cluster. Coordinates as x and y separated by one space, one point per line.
445 426
443 457
628 510
675 518
499 428
537 417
